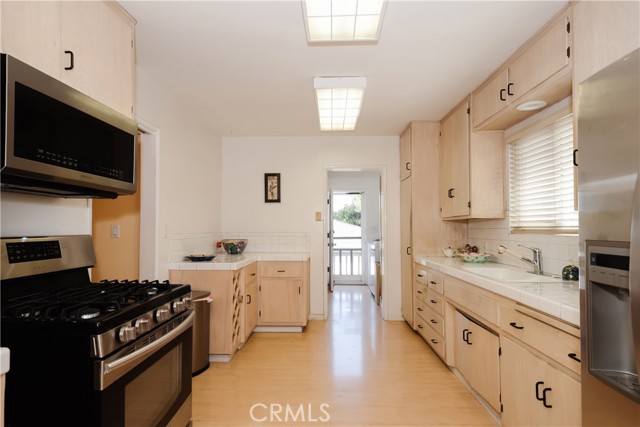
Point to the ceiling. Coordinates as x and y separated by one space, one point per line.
244 68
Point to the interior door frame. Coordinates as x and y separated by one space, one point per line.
382 171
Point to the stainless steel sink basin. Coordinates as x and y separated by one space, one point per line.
508 274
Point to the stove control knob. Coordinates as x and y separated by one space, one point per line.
142 325
127 333
162 314
188 301
178 306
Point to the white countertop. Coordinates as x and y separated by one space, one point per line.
235 262
559 299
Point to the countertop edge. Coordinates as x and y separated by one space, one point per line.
569 313
225 262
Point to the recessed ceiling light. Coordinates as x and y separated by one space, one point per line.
531 105
343 20
339 100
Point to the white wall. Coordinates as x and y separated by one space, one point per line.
27 215
303 164
189 161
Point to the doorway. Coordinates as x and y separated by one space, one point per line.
347 240
354 229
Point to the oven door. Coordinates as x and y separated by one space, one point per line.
151 385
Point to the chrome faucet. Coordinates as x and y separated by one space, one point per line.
536 262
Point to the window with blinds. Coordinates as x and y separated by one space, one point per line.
541 180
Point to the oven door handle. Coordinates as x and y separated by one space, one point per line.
111 371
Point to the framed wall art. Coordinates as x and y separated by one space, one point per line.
272 188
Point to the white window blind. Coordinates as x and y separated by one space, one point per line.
541 180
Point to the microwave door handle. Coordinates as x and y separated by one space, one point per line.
634 271
111 371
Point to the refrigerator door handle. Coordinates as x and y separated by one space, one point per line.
634 272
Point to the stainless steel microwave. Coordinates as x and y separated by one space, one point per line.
59 142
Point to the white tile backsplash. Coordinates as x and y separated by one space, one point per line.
557 251
183 244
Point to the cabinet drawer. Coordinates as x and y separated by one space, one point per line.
435 302
436 282
421 275
558 345
281 269
421 291
433 319
251 272
463 294
435 341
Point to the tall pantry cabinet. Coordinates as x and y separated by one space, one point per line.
421 229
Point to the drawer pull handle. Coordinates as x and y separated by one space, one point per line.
253 274
419 292
249 299
450 193
71 60
432 282
434 341
574 357
465 336
419 308
420 275
515 325
433 301
542 398
502 98
281 271
420 326
435 322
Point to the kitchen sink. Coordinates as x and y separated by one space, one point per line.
509 274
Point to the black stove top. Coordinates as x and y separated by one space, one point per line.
93 303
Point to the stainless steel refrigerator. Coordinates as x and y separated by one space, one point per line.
609 204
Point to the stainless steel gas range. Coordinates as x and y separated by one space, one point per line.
102 354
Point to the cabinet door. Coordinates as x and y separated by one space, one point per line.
491 98
281 302
543 59
100 35
528 383
476 358
406 262
30 32
251 307
405 154
454 189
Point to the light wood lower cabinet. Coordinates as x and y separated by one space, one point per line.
429 308
228 330
476 355
534 393
250 302
283 290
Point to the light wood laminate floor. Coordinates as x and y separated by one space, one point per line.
352 370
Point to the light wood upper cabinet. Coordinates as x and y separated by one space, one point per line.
98 35
283 290
540 70
471 169
534 393
405 155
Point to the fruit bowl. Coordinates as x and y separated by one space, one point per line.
475 258
234 246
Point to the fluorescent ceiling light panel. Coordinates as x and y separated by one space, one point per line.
339 101
343 20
